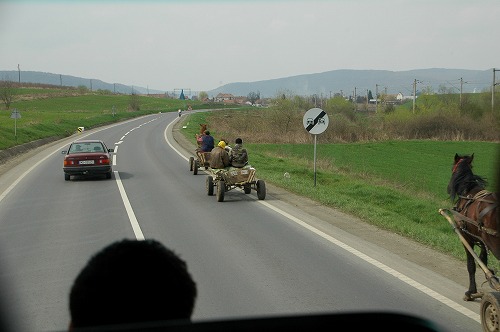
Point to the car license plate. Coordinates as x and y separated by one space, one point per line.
86 162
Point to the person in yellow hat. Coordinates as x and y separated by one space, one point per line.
219 158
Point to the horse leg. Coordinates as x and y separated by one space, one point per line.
471 293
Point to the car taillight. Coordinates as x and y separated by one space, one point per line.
68 162
104 161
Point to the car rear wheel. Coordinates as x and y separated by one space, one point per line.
108 175
66 177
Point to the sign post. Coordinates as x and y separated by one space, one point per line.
15 115
315 122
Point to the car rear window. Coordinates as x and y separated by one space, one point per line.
86 147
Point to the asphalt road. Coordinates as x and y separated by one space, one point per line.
285 254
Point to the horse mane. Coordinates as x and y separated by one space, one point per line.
463 180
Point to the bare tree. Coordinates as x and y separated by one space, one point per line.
7 91
253 97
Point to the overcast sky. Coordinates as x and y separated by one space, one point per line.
201 45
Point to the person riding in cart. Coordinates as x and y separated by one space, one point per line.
219 158
238 156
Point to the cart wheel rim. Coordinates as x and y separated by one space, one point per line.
490 316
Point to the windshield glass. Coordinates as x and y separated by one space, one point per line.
282 158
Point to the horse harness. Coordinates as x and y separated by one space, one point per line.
481 196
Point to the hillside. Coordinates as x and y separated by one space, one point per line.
325 84
346 81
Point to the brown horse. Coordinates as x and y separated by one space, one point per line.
203 128
479 206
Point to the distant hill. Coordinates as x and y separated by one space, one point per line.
67 80
345 81
326 84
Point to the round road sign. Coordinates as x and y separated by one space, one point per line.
315 121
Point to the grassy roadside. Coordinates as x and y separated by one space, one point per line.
395 185
59 116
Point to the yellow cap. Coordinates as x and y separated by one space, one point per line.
222 144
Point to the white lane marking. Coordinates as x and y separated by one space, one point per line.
170 144
128 208
6 192
413 283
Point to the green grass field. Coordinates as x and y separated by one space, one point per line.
61 116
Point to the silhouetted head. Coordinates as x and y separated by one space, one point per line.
132 281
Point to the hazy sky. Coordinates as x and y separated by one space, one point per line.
201 45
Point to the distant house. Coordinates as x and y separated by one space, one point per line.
225 98
400 97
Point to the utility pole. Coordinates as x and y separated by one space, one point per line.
355 100
60 79
414 93
90 85
461 90
415 81
19 72
493 90
461 85
376 98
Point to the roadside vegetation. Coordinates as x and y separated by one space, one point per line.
389 168
53 112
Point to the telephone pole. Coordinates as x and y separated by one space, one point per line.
414 93
415 81
461 85
493 90
355 100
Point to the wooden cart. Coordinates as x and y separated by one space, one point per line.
223 180
202 160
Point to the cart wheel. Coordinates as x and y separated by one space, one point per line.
195 167
210 185
490 311
247 188
261 189
221 188
191 162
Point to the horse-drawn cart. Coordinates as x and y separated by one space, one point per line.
490 301
202 160
223 180
474 218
